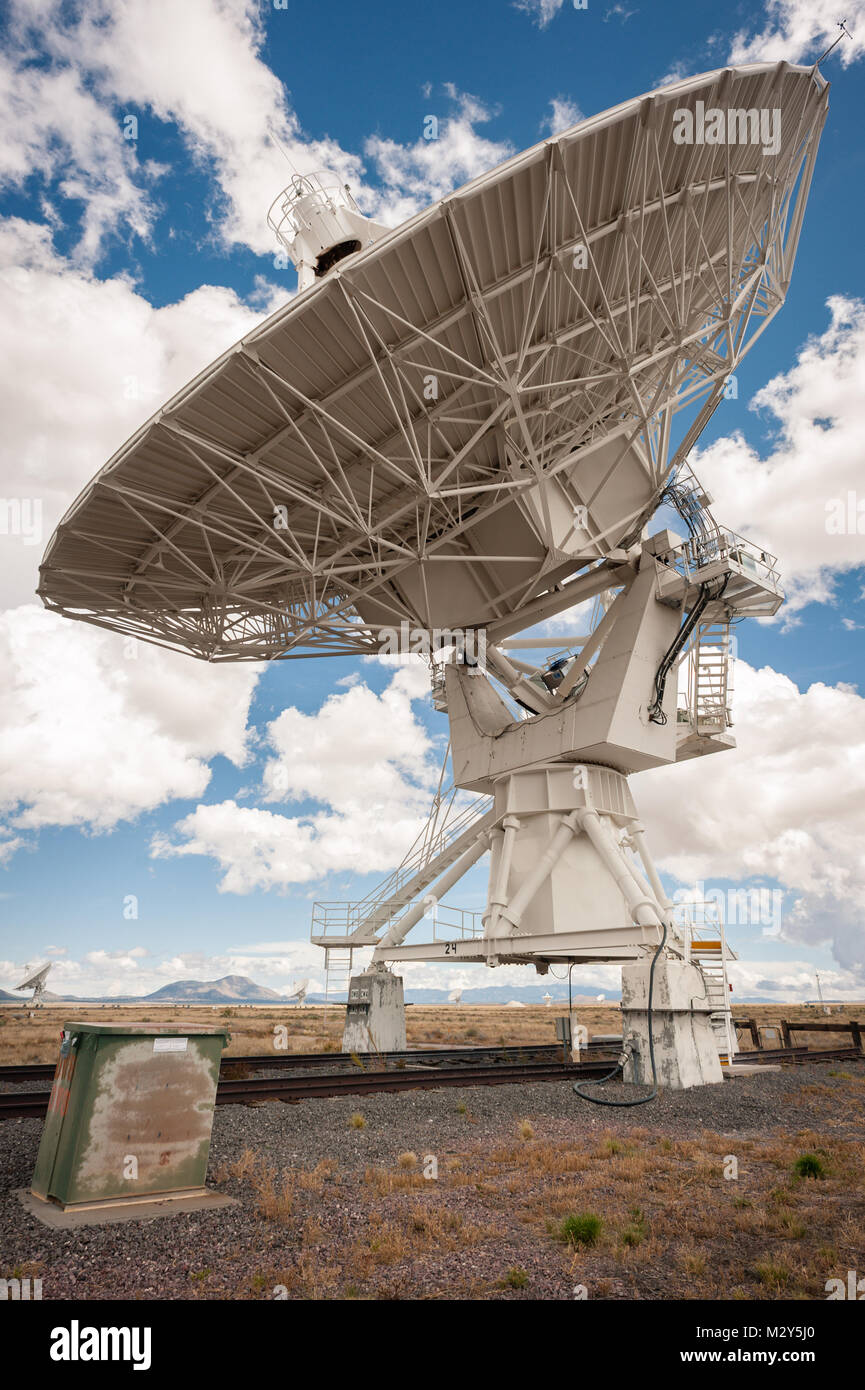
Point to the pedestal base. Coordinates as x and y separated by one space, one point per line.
686 1052
375 1017
64 1218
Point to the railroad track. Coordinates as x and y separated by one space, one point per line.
427 1057
378 1076
21 1104
798 1055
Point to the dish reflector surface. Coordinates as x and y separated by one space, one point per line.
465 413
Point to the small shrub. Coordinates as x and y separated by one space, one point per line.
357 1121
526 1130
809 1166
581 1229
611 1147
515 1278
407 1159
635 1232
791 1224
772 1275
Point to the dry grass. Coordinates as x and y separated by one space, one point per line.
666 1222
673 1225
33 1036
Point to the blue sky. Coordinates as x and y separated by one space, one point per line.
144 784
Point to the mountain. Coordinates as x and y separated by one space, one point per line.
230 989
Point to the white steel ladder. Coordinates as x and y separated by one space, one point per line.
337 973
709 949
710 678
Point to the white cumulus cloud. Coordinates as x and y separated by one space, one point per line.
794 495
417 174
563 114
798 31
366 763
92 736
788 804
86 362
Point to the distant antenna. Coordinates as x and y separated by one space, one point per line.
300 991
455 996
845 34
36 982
548 999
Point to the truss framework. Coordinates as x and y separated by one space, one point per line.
465 415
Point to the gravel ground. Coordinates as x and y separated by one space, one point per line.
233 1252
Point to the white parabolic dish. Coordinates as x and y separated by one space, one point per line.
469 411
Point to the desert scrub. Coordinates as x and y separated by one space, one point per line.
809 1166
636 1230
772 1275
583 1228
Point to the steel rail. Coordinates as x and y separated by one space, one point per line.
293 1089
797 1055
388 1072
468 1056
18 1104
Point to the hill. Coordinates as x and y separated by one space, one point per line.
230 989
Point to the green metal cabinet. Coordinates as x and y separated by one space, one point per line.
130 1113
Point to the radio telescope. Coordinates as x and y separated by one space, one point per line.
461 429
36 982
455 996
300 992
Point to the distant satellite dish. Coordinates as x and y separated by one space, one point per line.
601 998
514 1004
548 999
36 982
455 996
300 991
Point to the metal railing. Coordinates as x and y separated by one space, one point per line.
429 844
285 218
340 919
694 556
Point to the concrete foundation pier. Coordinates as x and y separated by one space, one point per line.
686 1051
375 1016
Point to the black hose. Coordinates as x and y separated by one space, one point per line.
620 1065
655 711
